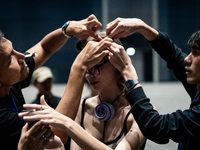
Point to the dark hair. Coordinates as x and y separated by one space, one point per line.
1 35
194 41
83 42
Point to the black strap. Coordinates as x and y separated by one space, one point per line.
83 112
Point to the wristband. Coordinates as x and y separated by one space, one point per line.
130 84
64 27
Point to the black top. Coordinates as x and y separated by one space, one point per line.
180 126
10 123
52 102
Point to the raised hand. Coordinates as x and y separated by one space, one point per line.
84 28
93 53
121 61
33 138
123 27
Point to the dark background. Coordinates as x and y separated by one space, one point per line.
27 22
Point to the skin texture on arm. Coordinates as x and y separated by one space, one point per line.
52 43
49 116
55 40
33 136
122 27
87 58
48 46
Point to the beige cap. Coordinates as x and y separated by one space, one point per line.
41 74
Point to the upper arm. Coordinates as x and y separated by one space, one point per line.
133 140
41 54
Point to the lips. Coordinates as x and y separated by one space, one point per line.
23 66
93 83
187 70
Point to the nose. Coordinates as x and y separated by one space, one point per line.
188 60
89 76
19 57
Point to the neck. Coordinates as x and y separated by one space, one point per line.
198 87
110 97
4 91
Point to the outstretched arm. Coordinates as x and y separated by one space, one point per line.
33 137
55 40
87 58
49 116
123 27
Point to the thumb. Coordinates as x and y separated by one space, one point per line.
24 129
42 101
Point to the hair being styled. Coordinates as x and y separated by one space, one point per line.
1 35
194 41
83 42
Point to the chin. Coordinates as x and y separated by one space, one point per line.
191 81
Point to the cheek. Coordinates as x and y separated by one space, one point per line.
110 74
196 65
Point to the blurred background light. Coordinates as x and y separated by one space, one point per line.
130 51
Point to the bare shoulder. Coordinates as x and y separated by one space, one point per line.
92 102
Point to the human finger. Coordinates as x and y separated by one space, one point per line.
115 56
96 47
95 52
42 112
38 129
99 57
120 34
25 128
37 116
94 35
37 107
103 45
42 101
116 32
94 24
111 26
48 134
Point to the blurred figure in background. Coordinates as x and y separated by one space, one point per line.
43 80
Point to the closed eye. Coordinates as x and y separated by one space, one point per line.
195 52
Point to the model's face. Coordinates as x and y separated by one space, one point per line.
107 77
12 65
193 67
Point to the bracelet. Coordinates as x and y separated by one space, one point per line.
130 84
64 27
